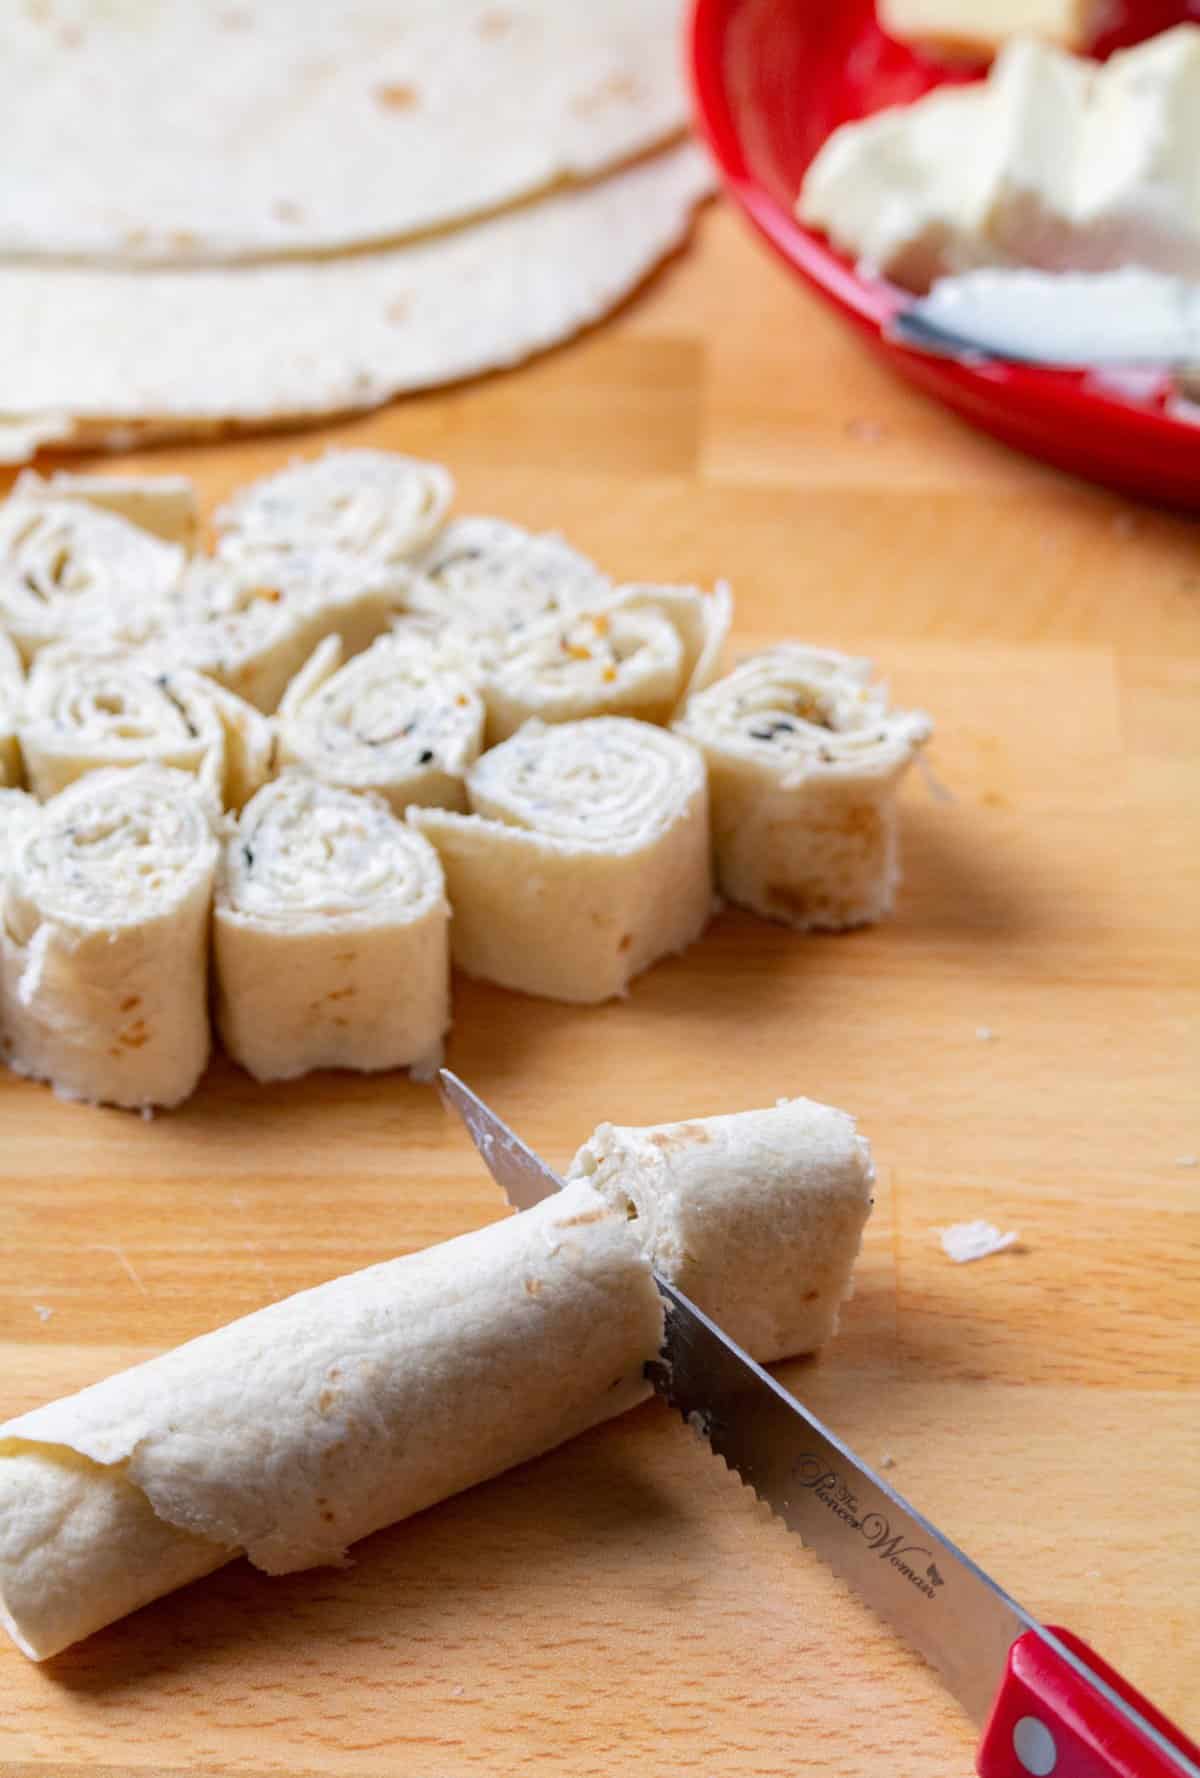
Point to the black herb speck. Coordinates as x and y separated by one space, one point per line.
248 855
780 727
425 757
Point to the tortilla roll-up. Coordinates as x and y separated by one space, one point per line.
586 857
72 573
302 1428
375 504
164 505
252 624
804 761
331 943
757 1216
12 693
600 663
104 948
86 710
396 720
638 654
490 577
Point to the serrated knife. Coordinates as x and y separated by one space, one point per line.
1046 1702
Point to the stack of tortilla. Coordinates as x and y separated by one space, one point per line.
222 214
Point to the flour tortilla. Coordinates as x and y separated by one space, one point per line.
585 860
84 709
132 357
393 720
757 1216
12 692
165 505
296 1431
303 1428
636 651
104 946
331 945
177 131
804 761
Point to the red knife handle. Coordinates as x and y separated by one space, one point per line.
1048 1720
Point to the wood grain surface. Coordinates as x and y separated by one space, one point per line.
622 1605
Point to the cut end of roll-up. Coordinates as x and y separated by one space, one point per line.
585 859
758 1215
397 720
70 572
164 505
252 622
805 758
104 947
331 946
378 505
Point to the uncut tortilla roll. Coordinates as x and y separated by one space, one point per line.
491 577
804 759
70 572
162 504
302 1428
86 710
251 624
586 858
12 692
104 948
757 1216
396 719
375 504
298 1430
331 942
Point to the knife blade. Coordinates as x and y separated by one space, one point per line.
1061 320
1059 1703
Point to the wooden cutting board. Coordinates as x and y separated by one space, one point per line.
1020 1043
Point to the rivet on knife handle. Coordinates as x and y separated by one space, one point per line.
1048 1719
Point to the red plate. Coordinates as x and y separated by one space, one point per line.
772 78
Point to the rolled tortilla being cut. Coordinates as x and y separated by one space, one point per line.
69 572
637 652
12 692
396 719
804 760
162 504
104 947
586 857
251 624
84 710
375 504
757 1216
302 1428
331 943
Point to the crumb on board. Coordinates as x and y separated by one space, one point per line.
887 1461
965 1241
1187 1160
985 1034
43 1311
865 431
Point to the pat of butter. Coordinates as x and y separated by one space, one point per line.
1054 162
979 28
